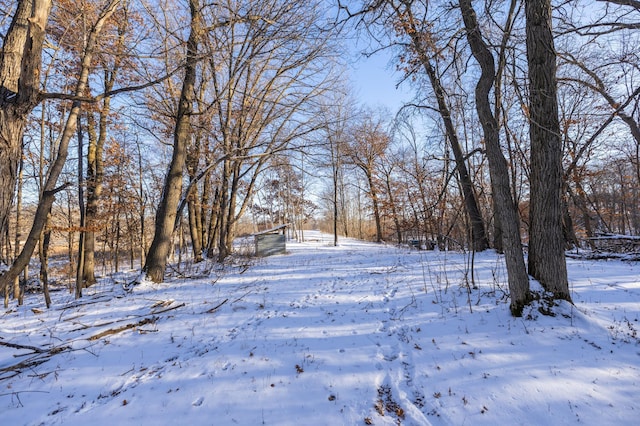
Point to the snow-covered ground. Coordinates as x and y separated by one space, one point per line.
349 335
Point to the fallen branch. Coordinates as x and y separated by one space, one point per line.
40 355
215 308
122 328
31 348
168 309
34 361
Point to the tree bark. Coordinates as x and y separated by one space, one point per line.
18 241
498 169
20 64
392 204
376 208
95 181
156 262
194 206
547 261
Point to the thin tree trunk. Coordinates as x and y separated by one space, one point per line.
214 224
498 168
81 206
376 207
45 240
18 242
156 262
547 261
478 232
193 202
335 165
142 212
195 228
223 212
392 204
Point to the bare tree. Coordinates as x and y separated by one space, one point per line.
408 19
156 261
505 206
368 144
268 69
50 187
336 113
547 261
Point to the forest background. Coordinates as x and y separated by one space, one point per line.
136 133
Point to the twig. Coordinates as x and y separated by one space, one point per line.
215 308
168 309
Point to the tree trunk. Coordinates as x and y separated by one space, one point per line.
376 207
18 241
49 190
195 227
223 251
95 181
546 242
156 262
43 252
478 233
194 207
392 205
334 173
20 64
214 224
83 217
506 212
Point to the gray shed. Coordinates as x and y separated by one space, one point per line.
272 241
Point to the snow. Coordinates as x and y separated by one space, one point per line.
349 335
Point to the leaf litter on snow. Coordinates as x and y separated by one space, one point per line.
360 333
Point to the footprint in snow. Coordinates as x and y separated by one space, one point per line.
198 402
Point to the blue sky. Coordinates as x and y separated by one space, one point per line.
375 81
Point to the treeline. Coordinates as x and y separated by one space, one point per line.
138 127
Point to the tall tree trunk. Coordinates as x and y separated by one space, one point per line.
498 169
195 226
43 253
204 208
20 64
230 221
156 262
223 215
18 242
334 173
95 181
376 207
392 205
83 217
547 261
478 232
142 197
194 207
214 224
